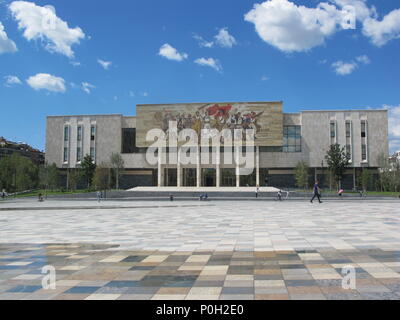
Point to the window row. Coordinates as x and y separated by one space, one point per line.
79 133
349 136
79 154
291 139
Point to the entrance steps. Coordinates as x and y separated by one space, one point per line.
203 189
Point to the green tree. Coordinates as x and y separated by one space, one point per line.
117 163
365 179
337 160
49 177
101 178
74 176
301 174
7 174
18 173
88 169
385 176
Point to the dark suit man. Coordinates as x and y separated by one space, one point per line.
316 193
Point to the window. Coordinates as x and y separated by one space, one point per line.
363 129
348 129
66 133
79 133
92 133
363 152
333 132
364 140
129 140
348 151
65 155
348 140
78 154
92 154
292 139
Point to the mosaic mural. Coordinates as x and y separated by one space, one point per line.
265 118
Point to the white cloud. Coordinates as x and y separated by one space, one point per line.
202 42
290 28
42 23
11 80
209 62
264 78
45 81
363 59
6 44
104 64
87 87
75 63
224 39
381 32
361 9
145 94
344 68
169 52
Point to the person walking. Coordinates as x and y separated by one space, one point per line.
316 192
98 195
257 191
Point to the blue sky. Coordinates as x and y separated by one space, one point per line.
95 57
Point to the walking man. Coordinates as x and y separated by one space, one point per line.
257 191
316 192
98 195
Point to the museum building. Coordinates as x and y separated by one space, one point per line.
282 140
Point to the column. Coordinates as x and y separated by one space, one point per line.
178 170
159 171
237 167
257 166
198 168
218 168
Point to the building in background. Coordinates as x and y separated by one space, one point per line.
282 141
394 160
7 148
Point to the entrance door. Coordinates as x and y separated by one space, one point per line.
209 177
170 177
228 177
189 177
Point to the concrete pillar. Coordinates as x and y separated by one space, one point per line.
257 166
218 168
160 170
237 168
178 171
198 168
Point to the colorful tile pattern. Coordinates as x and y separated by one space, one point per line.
227 275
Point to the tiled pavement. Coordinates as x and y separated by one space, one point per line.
96 272
246 250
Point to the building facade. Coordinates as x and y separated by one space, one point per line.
8 148
282 141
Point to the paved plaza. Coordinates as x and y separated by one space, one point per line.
199 250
